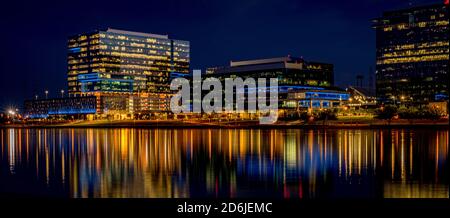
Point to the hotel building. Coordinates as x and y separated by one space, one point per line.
412 54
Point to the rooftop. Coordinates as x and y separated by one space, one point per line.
125 32
287 59
412 9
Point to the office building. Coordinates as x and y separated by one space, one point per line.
74 106
122 72
412 55
290 71
125 67
300 82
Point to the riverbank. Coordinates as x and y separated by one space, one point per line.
353 123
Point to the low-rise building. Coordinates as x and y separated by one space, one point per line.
301 84
74 106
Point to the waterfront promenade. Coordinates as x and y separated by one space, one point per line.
340 123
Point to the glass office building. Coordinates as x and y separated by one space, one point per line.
117 73
413 55
148 60
118 64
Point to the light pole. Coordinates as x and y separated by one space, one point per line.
46 94
393 99
62 93
402 101
36 97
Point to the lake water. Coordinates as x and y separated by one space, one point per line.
235 163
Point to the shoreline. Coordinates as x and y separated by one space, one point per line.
372 124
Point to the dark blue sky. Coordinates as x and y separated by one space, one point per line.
34 33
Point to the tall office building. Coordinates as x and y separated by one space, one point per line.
413 55
127 71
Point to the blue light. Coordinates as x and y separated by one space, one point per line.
41 116
74 50
315 103
99 80
176 75
327 95
95 78
88 76
72 111
440 97
286 88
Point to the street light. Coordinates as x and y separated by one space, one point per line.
393 99
46 94
36 97
62 93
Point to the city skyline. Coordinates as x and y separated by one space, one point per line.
225 107
40 57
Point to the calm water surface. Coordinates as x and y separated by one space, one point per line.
168 163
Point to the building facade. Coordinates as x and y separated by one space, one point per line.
118 74
299 82
330 98
74 106
127 71
412 54
123 61
290 71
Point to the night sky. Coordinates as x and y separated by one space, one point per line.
34 33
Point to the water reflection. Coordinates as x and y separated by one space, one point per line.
170 163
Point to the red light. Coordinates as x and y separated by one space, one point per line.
446 2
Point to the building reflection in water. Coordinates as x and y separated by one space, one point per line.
169 163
